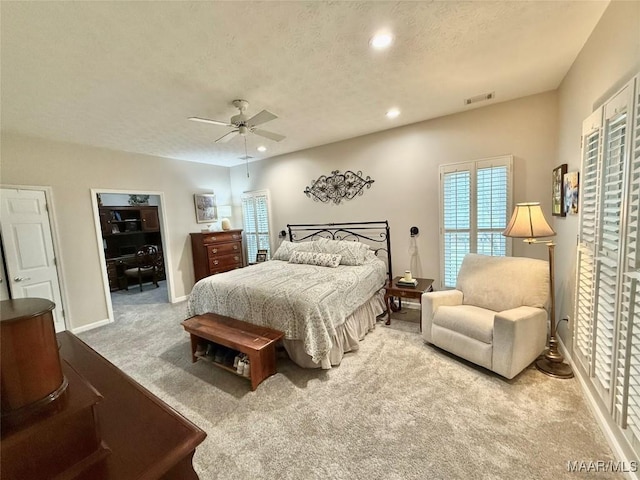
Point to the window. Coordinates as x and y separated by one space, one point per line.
255 218
475 199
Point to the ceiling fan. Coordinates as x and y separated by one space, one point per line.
243 125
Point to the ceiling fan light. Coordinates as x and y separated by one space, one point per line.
243 130
262 148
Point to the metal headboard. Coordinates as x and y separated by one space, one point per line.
373 233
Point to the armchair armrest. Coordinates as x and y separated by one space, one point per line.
430 303
519 336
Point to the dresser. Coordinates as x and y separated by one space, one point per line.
216 252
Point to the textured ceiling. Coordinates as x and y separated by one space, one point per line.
127 75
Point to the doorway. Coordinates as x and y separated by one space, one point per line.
30 257
125 221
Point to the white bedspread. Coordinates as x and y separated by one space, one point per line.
306 302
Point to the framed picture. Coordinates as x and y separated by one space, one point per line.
261 257
205 207
571 186
557 195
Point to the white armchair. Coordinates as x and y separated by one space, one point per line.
495 317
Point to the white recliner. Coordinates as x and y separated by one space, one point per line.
495 317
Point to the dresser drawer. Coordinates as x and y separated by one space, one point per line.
226 269
224 261
216 237
214 251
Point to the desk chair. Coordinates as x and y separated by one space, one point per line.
146 263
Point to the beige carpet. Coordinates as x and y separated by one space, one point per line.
395 409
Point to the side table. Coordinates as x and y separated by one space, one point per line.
394 290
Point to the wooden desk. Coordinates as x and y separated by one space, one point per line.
147 438
400 291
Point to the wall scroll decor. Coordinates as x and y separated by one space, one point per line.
557 191
335 187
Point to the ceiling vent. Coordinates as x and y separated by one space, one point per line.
480 98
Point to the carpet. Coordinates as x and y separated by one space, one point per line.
395 409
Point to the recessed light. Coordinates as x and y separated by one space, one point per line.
393 113
262 148
381 40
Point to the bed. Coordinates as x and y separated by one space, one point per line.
324 311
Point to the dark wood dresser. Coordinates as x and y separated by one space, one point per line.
68 413
216 252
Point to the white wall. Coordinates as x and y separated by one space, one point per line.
404 164
608 60
72 171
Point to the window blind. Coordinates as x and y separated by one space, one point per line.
475 205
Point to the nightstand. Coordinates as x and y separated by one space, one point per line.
394 290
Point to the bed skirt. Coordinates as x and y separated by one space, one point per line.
347 337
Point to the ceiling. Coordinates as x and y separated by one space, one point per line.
127 75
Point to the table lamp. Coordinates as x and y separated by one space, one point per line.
224 212
528 222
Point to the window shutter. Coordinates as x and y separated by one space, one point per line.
585 295
255 213
476 206
493 209
609 239
627 391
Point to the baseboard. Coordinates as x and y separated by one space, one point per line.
91 326
180 299
610 435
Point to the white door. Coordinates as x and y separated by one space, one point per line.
28 248
4 288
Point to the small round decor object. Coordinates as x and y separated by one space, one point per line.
225 224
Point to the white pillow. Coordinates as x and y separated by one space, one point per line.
352 253
315 258
286 248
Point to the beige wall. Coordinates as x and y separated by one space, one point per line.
72 171
608 60
404 164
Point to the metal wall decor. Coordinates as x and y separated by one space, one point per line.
335 187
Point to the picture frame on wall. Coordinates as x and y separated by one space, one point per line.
571 185
557 191
205 204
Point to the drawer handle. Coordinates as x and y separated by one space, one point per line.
235 247
215 262
214 250
236 258
213 239
234 236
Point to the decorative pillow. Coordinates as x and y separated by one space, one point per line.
286 248
315 258
353 253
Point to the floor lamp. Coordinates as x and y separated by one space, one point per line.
528 222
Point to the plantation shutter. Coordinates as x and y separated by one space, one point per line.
627 391
475 202
493 208
456 195
609 239
255 214
585 295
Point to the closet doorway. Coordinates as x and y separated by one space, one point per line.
127 221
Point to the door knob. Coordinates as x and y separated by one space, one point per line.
20 279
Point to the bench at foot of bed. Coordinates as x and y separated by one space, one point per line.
257 342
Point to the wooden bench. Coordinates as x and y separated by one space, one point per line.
257 342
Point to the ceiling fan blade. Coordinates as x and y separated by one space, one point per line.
259 118
227 136
214 122
273 136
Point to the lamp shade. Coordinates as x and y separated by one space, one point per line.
528 222
224 211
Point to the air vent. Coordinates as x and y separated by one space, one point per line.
480 98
